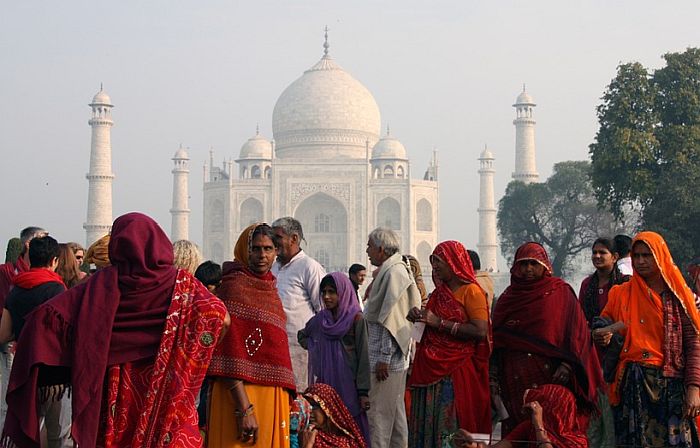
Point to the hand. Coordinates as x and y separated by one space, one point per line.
381 371
414 314
602 338
535 410
248 427
691 405
463 439
308 436
364 403
430 319
562 375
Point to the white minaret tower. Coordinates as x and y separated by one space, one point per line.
99 210
180 229
488 244
525 166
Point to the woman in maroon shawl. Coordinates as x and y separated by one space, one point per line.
450 379
540 337
332 425
135 341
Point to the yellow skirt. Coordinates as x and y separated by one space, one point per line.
271 411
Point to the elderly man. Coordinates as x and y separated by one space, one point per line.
392 294
8 272
299 284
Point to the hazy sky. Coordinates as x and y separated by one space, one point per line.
444 74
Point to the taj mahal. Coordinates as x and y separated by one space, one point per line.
329 165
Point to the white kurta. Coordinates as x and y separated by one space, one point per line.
299 286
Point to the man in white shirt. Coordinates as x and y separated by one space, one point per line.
623 247
299 285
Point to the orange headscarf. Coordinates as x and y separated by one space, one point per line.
240 251
641 309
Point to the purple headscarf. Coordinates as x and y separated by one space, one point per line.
326 353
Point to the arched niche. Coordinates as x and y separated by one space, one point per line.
424 216
251 212
389 214
217 216
325 221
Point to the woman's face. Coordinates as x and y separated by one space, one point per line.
530 269
318 417
329 295
643 261
262 254
79 256
441 269
602 258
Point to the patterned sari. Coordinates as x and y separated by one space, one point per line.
134 341
660 356
450 379
344 432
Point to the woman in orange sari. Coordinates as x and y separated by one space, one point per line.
655 394
251 368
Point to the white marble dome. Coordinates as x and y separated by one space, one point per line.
101 97
257 147
325 113
389 148
524 98
486 154
181 154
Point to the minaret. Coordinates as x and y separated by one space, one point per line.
99 209
180 229
525 166
488 244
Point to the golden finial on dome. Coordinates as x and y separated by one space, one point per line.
326 45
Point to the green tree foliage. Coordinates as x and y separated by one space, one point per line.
14 248
561 213
647 150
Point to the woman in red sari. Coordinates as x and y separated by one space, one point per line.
134 342
332 424
553 423
450 379
541 336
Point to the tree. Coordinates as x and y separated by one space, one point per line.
14 248
646 153
561 213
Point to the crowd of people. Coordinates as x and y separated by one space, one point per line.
139 342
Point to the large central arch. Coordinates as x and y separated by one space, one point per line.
325 223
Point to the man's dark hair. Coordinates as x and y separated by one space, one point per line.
42 251
355 268
476 261
209 273
623 245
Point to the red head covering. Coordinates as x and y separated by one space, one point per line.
328 399
532 251
457 258
116 316
543 316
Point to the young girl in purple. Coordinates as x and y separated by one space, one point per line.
336 339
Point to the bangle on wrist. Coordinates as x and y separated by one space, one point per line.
455 327
541 430
246 412
442 323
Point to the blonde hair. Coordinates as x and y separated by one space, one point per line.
187 255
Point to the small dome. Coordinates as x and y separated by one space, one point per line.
101 97
524 98
257 147
181 154
389 148
486 154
